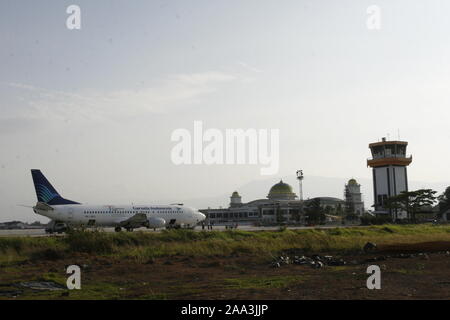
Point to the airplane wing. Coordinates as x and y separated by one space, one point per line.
136 221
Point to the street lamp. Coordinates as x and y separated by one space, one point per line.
300 179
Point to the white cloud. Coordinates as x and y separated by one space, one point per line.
175 91
249 67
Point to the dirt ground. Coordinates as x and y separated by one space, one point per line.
419 271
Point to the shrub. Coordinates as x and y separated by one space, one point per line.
367 220
89 241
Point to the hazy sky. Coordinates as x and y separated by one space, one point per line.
95 108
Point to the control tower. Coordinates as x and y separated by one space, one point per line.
389 167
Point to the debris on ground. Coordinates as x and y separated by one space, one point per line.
42 285
317 261
376 259
369 247
314 261
275 265
318 264
303 260
284 260
10 293
424 256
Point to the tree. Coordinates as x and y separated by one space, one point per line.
444 201
411 201
314 212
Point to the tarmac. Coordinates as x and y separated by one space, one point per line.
41 232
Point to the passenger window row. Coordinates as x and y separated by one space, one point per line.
126 212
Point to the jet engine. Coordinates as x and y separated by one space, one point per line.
154 222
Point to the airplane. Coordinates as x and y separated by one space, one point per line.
52 205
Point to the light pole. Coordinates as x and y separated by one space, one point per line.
300 181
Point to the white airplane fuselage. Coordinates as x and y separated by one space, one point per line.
52 205
112 216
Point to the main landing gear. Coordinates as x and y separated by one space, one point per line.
118 229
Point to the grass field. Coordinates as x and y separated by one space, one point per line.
186 264
141 246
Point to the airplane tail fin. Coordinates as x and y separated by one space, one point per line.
45 192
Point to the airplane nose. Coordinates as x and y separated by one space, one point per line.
201 216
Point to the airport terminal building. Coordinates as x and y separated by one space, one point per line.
281 204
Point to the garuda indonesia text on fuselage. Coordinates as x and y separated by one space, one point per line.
57 208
